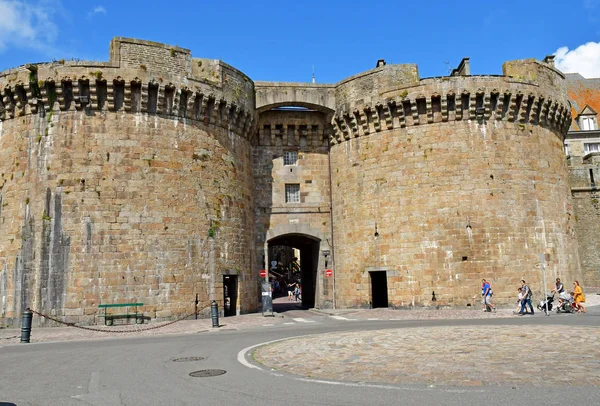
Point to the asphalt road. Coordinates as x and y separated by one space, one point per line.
141 371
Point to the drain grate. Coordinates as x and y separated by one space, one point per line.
206 373
187 359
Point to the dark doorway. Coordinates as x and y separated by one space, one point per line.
229 295
379 291
287 265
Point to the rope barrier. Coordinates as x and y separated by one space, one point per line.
101 330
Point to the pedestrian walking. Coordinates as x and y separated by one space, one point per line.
297 293
482 296
290 290
526 301
519 300
578 297
486 292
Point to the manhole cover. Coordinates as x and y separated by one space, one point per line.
187 359
205 373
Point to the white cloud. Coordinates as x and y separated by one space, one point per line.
585 60
97 10
27 24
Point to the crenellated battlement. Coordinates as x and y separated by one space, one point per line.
141 77
530 94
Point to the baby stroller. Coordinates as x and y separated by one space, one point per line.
565 303
542 305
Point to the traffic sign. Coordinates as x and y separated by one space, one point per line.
263 273
328 272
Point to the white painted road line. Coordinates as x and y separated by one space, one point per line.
301 320
342 318
289 323
268 325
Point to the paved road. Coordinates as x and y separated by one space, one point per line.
138 371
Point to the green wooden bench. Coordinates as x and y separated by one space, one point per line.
109 318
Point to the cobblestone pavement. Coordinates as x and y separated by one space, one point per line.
464 356
256 320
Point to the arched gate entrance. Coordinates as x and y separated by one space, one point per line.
295 258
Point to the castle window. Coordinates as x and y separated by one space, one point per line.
591 147
292 193
587 123
567 150
290 158
587 119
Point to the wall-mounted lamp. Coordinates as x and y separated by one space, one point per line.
376 232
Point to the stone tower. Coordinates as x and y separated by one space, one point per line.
440 182
125 181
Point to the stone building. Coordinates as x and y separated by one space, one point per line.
582 146
155 177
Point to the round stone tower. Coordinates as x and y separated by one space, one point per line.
440 182
126 181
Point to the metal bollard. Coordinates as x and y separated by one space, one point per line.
196 308
26 325
214 313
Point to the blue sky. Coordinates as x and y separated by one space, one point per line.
283 40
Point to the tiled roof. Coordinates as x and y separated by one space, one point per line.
582 92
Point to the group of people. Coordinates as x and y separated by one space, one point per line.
293 289
524 298
575 297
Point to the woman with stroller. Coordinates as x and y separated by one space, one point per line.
563 296
578 297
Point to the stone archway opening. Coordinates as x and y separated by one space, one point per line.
294 258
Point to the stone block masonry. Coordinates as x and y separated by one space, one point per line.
125 182
442 182
155 175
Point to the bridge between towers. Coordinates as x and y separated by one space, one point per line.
270 95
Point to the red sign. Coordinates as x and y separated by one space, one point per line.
263 273
328 272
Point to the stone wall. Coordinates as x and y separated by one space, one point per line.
124 183
448 181
306 133
152 175
584 178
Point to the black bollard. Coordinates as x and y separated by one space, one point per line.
196 308
214 313
26 326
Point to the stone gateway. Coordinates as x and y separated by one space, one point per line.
156 177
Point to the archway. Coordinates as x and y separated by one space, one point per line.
295 258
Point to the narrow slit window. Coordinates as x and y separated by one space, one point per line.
505 104
451 102
119 95
183 102
493 101
169 97
101 93
592 182
152 98
136 97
